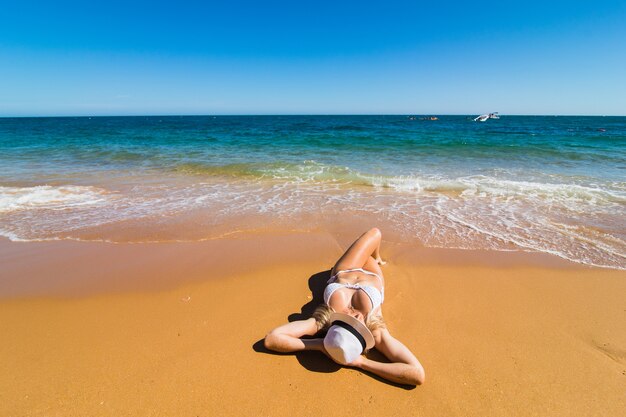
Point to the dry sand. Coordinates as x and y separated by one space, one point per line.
92 329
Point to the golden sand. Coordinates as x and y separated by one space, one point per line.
93 329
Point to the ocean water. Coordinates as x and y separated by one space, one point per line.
546 184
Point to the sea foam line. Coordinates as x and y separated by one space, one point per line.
49 197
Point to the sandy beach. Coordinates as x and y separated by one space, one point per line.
177 182
176 329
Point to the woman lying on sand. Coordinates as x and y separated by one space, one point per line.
353 318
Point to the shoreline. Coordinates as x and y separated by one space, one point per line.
176 329
220 258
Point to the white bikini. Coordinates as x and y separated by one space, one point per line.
374 294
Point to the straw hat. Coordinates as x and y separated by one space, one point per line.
347 338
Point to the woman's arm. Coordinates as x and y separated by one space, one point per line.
286 338
404 369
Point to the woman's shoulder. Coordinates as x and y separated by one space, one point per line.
379 335
377 325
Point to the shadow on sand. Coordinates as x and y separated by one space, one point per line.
317 361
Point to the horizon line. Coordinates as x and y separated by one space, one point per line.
296 115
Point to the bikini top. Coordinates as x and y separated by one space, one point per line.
376 297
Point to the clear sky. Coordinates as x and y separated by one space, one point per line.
312 57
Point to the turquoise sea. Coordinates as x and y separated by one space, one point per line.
546 184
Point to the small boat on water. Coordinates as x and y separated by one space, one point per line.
484 117
423 118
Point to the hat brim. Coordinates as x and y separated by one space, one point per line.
357 325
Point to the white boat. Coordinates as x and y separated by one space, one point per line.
484 117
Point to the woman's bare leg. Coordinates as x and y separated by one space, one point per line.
373 266
376 256
357 255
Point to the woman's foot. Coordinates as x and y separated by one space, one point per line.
380 261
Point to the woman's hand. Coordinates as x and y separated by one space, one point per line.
358 362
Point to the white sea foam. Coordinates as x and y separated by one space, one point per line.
578 222
49 197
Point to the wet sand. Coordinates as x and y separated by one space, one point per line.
176 329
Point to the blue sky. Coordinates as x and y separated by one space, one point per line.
298 57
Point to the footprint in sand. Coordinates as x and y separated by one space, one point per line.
618 355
